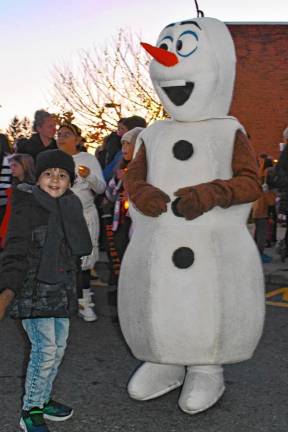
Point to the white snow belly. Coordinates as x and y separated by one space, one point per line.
212 310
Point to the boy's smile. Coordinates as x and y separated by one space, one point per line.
54 181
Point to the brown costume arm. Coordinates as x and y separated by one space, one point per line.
243 187
150 200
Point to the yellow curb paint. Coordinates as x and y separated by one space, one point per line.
277 292
277 304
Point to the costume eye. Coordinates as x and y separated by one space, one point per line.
166 43
187 43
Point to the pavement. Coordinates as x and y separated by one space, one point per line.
276 272
98 364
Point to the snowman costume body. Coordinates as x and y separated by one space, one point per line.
191 291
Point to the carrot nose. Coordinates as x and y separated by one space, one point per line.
166 58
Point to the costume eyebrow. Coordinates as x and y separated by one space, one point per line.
170 25
190 22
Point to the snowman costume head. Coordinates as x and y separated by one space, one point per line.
193 69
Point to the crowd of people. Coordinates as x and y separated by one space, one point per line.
98 184
271 208
52 236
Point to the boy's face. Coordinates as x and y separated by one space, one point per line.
54 181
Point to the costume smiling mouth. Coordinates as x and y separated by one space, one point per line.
178 94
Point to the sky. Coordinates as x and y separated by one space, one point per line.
36 36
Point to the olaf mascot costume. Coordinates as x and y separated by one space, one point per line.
191 294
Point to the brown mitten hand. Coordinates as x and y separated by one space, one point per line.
150 200
187 203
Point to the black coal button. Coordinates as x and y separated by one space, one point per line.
183 257
183 150
174 207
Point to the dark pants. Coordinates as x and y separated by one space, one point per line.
83 282
261 233
116 244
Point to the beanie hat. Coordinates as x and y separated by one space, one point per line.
131 135
55 159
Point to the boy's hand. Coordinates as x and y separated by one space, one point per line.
5 299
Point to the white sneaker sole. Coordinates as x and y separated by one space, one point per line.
57 419
88 319
22 425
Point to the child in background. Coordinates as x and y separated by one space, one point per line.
116 217
47 234
88 182
5 173
23 171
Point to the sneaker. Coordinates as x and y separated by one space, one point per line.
86 310
56 411
33 421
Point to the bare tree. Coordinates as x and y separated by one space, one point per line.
105 85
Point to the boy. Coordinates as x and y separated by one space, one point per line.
47 234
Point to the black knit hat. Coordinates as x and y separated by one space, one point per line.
55 159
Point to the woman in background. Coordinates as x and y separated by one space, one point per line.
89 181
116 217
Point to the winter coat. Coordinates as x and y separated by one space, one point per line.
260 208
278 179
20 262
34 145
6 218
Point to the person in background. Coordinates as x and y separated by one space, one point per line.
38 278
260 213
111 145
23 171
44 127
116 217
283 144
126 125
5 173
88 182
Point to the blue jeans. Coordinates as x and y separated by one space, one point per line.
48 337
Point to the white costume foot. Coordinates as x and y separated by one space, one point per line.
152 380
203 387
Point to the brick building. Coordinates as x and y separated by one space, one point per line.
261 89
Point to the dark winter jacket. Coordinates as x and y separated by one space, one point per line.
278 179
21 259
34 145
110 148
